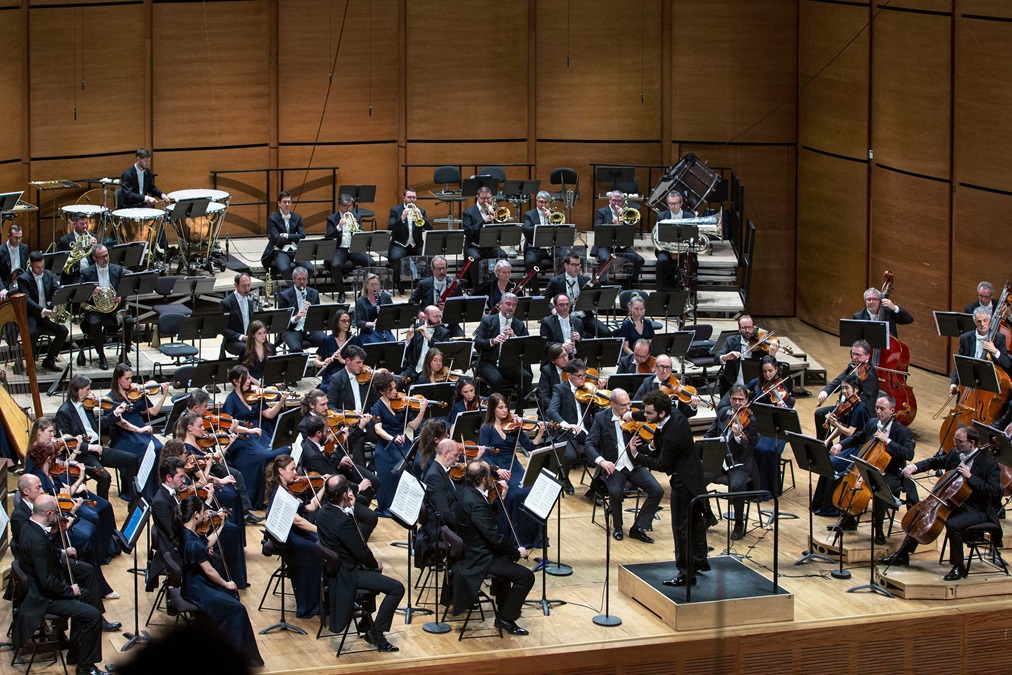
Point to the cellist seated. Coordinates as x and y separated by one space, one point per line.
975 343
982 475
899 446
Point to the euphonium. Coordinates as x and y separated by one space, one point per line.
630 216
79 250
415 214
500 213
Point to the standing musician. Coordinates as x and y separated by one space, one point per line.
551 375
861 367
571 283
50 591
492 332
739 464
239 307
13 257
537 257
79 230
367 307
39 285
975 343
572 415
284 232
300 299
846 424
419 340
678 458
562 328
392 448
497 285
637 362
130 429
340 226
137 184
406 232
662 375
74 419
900 446
608 447
735 348
982 474
665 279
612 215
216 596
359 570
474 219
345 392
488 552
95 324
985 292
877 308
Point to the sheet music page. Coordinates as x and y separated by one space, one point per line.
4 519
543 495
282 514
147 462
297 450
407 504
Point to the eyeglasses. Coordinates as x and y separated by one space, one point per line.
660 367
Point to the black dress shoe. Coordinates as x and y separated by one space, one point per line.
958 572
568 487
703 566
90 670
102 363
253 519
617 534
738 532
680 580
880 539
110 626
126 362
50 365
511 627
375 637
637 533
897 559
80 359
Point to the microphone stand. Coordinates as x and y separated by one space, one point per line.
607 619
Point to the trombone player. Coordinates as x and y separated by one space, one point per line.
341 226
77 240
407 222
615 214
538 257
475 218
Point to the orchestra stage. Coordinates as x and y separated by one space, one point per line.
831 630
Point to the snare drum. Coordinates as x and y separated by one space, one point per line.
131 225
95 214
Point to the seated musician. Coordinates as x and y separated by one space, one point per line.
96 324
899 444
419 341
406 234
975 343
635 327
190 430
340 227
391 426
985 293
562 328
79 230
639 361
612 214
607 446
543 258
497 285
367 310
740 465
492 332
735 348
474 219
860 366
662 375
551 375
13 258
488 551
359 570
345 392
256 349
74 419
430 291
433 431
844 425
571 283
665 275
299 297
330 356
440 503
214 594
130 426
315 404
39 285
767 449
982 474
137 184
239 307
572 415
467 399
877 308
434 369
284 232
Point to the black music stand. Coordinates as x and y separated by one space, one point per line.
377 241
467 425
554 236
812 456
286 429
631 382
201 328
127 255
592 299
285 368
56 261
442 392
127 538
315 249
443 242
617 177
876 333
670 233
521 189
275 320
875 480
320 317
211 374
532 307
178 406
538 468
775 422
72 295
611 236
599 353
360 194
398 316
660 303
470 186
526 350
499 235
133 285
456 354
461 310
715 453
1003 453
977 373
953 324
676 345
387 355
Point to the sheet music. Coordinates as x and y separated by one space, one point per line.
543 495
147 463
4 519
284 508
407 504
297 450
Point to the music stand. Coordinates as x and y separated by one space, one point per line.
315 249
127 255
275 320
678 234
590 300
398 316
320 317
285 368
536 471
70 296
977 373
387 355
775 422
524 351
499 235
599 353
812 456
377 241
441 392
456 354
467 425
470 186
201 328
286 428
660 303
461 310
360 194
532 307
875 480
611 236
9 200
876 333
554 236
676 345
631 382
132 528
443 242
133 285
617 177
953 324
178 406
56 261
210 374
1003 453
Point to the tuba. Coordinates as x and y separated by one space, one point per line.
79 250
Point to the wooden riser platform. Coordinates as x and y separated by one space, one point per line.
923 581
856 546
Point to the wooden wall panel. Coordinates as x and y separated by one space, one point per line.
210 74
599 71
910 237
993 8
365 71
833 101
832 238
981 141
911 94
979 253
768 173
467 70
110 108
11 90
734 71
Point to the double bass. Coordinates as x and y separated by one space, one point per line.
893 366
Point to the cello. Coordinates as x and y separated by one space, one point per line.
893 366
852 496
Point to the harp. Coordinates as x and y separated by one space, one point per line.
16 423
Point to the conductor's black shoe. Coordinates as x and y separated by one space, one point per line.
375 637
511 627
617 534
637 533
880 539
110 626
897 559
958 572
738 532
680 580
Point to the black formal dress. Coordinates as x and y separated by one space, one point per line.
302 562
868 394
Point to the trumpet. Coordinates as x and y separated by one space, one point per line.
415 214
348 221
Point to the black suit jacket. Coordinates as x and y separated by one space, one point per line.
972 307
40 560
163 512
90 274
131 196
742 451
729 373
602 441
19 516
564 408
313 459
423 295
286 299
334 230
278 236
440 507
476 525
551 330
900 448
26 284
439 334
984 481
473 222
546 384
968 347
557 284
399 230
340 396
677 456
229 305
489 329
650 384
69 422
5 263
339 533
900 318
869 387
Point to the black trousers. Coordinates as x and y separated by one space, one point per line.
680 500
85 612
393 591
112 458
396 253
511 582
495 376
664 272
625 252
341 256
284 263
294 338
542 259
641 477
574 450
49 327
97 325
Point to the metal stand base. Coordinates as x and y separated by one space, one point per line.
607 620
282 625
135 639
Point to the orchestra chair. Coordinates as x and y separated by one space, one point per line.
983 541
173 574
630 492
169 326
270 548
449 176
164 286
46 636
499 174
565 178
454 551
365 603
785 464
184 607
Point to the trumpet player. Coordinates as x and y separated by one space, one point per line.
475 218
612 215
102 320
341 226
407 222
40 285
81 238
300 298
540 257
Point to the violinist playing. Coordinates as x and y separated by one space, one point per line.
734 350
551 375
900 446
391 427
982 474
772 388
346 392
314 405
467 399
861 367
130 427
190 429
204 587
419 340
843 424
662 376
975 344
740 432
572 415
639 361
608 447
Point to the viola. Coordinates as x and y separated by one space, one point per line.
762 341
366 374
645 430
61 469
742 417
674 389
210 440
339 418
69 443
91 402
268 394
211 520
593 375
526 424
893 367
446 375
300 484
212 421
189 491
588 394
107 403
647 366
138 391
414 403
67 502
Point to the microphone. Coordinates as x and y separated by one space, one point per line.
530 394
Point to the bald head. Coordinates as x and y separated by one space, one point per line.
446 452
43 507
619 402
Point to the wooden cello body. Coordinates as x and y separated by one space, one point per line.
852 496
893 369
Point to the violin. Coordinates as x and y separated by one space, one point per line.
645 430
268 394
467 450
218 421
366 374
674 389
138 391
593 375
312 481
107 404
476 403
447 375
67 502
60 469
190 490
647 366
588 394
414 403
211 520
339 418
210 440
70 443
91 402
861 372
763 340
843 408
742 417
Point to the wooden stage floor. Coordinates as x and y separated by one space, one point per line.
568 641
